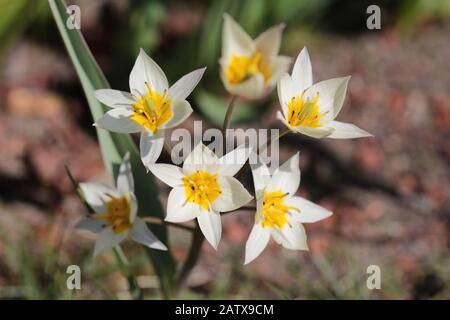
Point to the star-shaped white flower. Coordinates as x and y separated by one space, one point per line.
311 109
115 213
151 106
251 68
279 213
204 187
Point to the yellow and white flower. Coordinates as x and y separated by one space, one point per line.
204 187
311 109
115 213
151 106
279 213
251 68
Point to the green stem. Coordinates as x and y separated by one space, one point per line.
269 141
156 220
227 120
122 260
192 258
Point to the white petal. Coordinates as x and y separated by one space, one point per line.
252 88
256 243
291 236
145 70
331 96
95 195
278 67
233 161
286 91
201 158
167 173
108 239
151 146
92 225
211 226
133 206
233 196
178 210
181 111
344 130
261 174
125 181
319 132
286 177
140 233
114 98
302 71
268 42
309 211
181 89
118 120
235 41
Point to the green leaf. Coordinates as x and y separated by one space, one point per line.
114 146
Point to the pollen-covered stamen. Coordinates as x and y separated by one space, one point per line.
304 112
152 110
118 213
274 212
240 68
201 188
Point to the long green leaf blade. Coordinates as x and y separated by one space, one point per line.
114 146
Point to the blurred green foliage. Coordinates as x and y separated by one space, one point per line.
16 16
413 12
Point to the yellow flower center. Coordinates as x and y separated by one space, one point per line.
274 212
117 215
201 188
152 110
303 112
241 68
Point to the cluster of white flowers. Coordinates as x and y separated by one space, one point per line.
205 185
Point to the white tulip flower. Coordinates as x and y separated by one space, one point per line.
311 109
251 68
115 213
151 106
204 187
279 213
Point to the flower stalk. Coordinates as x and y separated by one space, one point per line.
156 220
227 119
135 290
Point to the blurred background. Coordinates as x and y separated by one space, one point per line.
390 195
